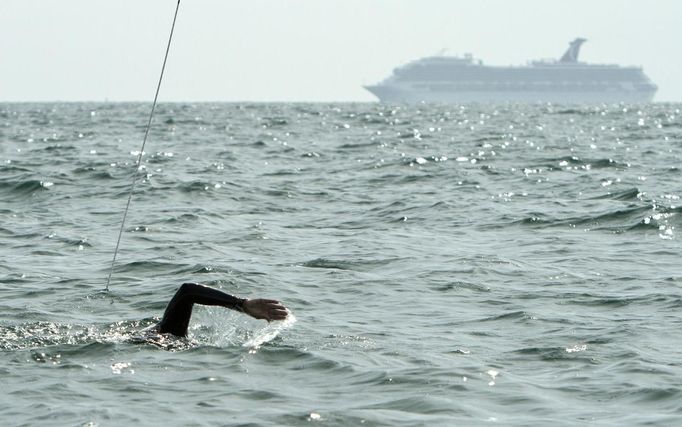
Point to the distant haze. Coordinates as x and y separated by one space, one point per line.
307 50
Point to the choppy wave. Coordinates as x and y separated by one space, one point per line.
22 187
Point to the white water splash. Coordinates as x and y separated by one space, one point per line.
269 332
223 328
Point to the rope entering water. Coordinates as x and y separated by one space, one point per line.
144 141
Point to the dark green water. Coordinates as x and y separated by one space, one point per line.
512 265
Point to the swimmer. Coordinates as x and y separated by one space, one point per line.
176 317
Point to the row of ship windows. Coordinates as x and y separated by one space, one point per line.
444 73
524 79
509 86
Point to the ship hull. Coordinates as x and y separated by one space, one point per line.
406 94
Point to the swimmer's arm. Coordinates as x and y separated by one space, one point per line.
179 310
258 308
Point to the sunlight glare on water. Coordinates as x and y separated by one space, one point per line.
448 265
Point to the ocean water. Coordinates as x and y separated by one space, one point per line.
444 265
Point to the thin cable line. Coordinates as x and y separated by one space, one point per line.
144 141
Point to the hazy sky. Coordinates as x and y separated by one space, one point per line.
308 50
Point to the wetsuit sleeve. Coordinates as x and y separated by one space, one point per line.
179 310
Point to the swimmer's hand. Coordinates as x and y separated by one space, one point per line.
267 309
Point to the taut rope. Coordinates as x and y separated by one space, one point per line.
144 141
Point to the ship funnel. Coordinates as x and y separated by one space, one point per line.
571 54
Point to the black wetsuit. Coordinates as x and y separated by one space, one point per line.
179 310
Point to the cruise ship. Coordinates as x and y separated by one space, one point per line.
449 79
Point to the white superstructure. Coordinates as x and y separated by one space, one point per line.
448 79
